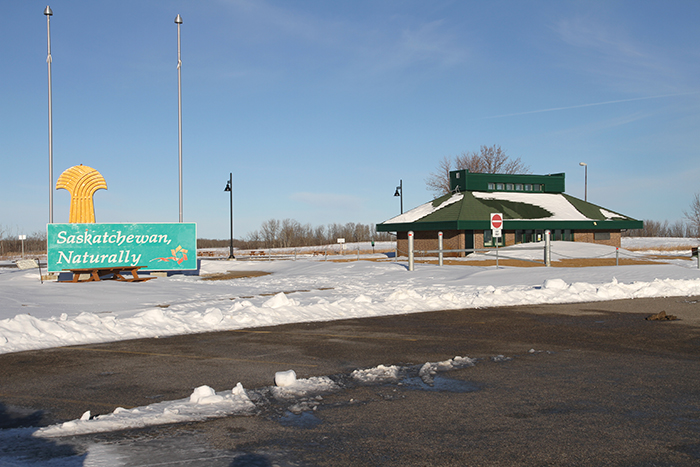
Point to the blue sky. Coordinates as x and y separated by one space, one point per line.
320 108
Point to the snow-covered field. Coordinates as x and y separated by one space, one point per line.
35 315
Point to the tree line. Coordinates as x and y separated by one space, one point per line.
681 229
290 233
10 244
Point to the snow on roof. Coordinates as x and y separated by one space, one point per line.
558 205
610 214
423 210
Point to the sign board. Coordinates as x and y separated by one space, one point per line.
22 237
341 240
27 264
496 224
156 247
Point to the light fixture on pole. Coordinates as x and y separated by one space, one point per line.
585 180
48 14
399 192
229 188
178 21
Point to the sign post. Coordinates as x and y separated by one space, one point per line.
496 230
23 238
341 241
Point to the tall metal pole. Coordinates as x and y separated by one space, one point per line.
48 14
230 189
585 180
178 21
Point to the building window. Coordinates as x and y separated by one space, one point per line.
509 186
601 235
490 241
528 187
538 187
518 187
499 186
492 186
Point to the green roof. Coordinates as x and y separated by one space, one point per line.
471 210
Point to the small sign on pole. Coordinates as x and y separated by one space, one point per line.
496 229
496 224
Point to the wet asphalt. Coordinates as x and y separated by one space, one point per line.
573 384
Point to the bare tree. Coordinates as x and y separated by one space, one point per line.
489 159
693 215
270 232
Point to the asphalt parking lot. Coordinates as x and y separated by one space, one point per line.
578 384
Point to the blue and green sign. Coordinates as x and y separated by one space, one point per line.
156 247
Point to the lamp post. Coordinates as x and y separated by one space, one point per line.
399 192
178 21
48 14
585 180
229 188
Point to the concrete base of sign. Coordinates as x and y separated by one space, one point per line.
159 273
49 277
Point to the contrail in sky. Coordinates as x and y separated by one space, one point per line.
554 109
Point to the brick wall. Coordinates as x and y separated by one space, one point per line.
588 236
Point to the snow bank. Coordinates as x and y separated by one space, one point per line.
35 315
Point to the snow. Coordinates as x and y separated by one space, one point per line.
203 403
35 315
560 208
424 210
285 378
610 214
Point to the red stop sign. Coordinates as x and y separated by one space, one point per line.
496 221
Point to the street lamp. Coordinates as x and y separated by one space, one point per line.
178 21
229 188
585 180
48 14
399 192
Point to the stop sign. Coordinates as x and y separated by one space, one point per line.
496 221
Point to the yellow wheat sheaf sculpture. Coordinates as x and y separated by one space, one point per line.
81 182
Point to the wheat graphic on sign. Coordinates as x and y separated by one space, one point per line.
81 182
